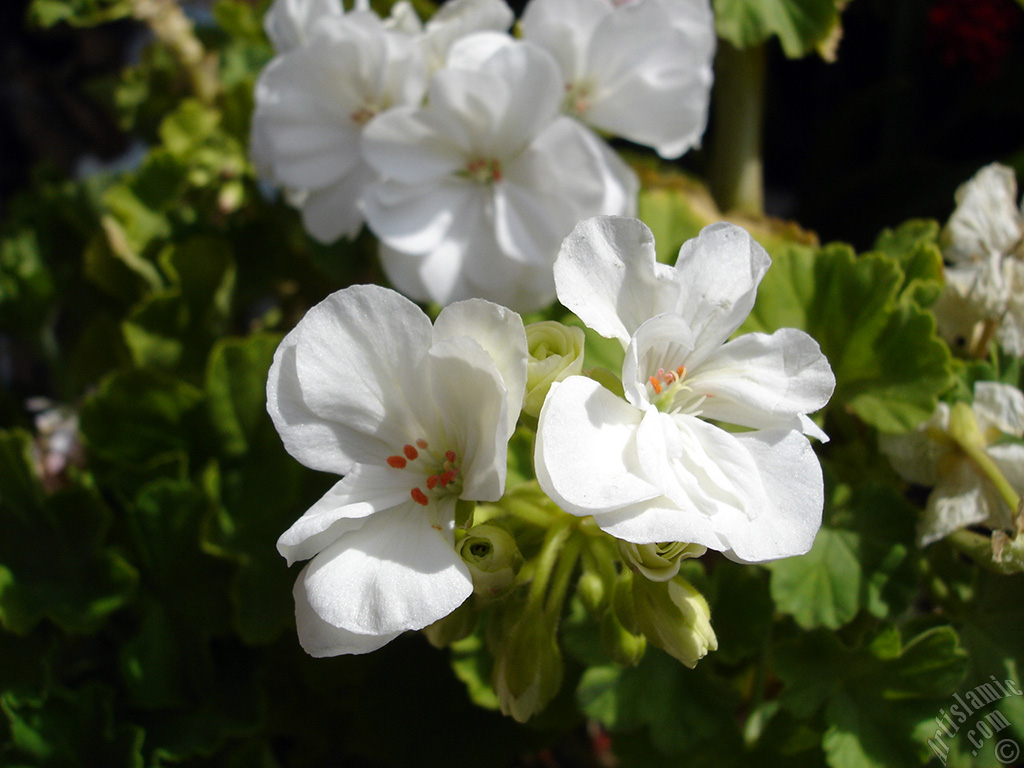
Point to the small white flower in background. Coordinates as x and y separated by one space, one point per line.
312 104
639 70
651 467
482 183
984 243
415 417
458 18
961 496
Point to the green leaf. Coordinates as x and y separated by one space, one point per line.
78 13
236 387
139 425
877 700
54 562
174 326
681 708
71 727
801 25
861 560
890 366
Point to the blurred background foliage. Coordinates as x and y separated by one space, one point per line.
146 278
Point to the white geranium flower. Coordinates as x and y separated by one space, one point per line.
482 183
652 467
985 280
415 417
312 104
640 70
961 495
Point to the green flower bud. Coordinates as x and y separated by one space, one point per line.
528 667
620 634
492 556
556 352
675 617
658 562
621 644
456 625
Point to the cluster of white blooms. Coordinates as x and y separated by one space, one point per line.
983 242
418 417
468 153
961 494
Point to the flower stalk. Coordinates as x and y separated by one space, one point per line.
736 174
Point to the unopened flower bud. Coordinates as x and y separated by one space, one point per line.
528 667
675 617
658 562
556 352
620 635
492 556
455 626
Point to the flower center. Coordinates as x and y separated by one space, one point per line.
437 474
483 171
363 115
670 393
577 98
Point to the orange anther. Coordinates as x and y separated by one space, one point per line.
656 385
450 455
419 497
398 462
446 478
432 482
410 452
422 444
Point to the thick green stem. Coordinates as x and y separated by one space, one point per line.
736 176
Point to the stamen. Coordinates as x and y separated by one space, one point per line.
423 444
655 385
447 477
432 482
410 453
398 462
419 497
450 455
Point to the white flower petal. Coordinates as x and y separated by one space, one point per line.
987 219
1000 407
723 266
703 469
607 273
354 360
335 211
365 490
794 491
320 639
500 332
960 499
435 276
398 571
412 146
651 84
457 19
585 450
471 404
420 218
288 23
329 446
758 380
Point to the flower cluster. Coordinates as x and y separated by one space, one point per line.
701 444
984 246
961 454
470 154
